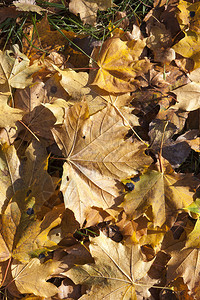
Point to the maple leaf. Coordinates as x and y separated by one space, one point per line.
24 235
29 192
118 64
188 97
97 156
88 9
15 70
117 273
5 253
188 15
35 176
32 277
74 83
184 263
163 192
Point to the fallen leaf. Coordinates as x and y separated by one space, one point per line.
35 175
193 238
97 156
5 253
188 97
184 263
88 10
10 174
163 192
74 83
119 271
189 47
188 15
15 70
32 235
8 12
32 277
117 63
28 5
69 290
162 134
9 115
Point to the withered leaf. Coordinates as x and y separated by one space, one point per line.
97 156
88 9
118 64
163 192
32 277
118 271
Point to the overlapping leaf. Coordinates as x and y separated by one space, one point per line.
116 270
118 64
163 192
97 156
32 278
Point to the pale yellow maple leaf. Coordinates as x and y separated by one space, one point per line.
163 192
32 277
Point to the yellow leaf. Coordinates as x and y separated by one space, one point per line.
162 192
118 64
9 174
193 239
32 277
32 237
15 70
189 47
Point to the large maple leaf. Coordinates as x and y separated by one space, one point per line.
97 156
165 193
118 273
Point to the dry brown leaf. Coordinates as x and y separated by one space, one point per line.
163 192
69 290
188 97
15 70
10 174
28 5
119 271
184 263
88 9
97 156
32 277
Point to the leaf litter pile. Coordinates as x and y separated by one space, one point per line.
98 196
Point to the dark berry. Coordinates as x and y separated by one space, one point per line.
135 179
30 211
41 255
130 186
192 14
